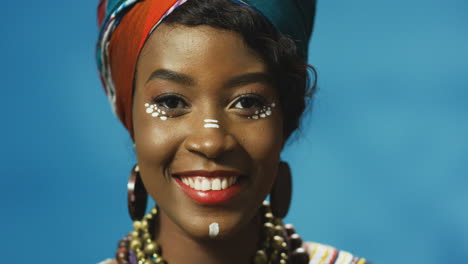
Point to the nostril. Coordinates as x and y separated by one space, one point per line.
210 143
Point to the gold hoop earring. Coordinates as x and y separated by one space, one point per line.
137 197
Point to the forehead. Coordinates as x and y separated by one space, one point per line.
194 50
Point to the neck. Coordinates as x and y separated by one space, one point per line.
178 247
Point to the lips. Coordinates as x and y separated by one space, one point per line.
209 187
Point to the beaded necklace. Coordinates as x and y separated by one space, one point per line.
280 244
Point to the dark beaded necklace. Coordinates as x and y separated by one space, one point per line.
279 245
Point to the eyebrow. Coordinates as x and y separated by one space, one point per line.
249 78
173 76
183 79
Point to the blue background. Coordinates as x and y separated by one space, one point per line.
381 167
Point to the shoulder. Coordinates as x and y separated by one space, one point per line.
326 254
108 261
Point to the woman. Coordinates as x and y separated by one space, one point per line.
210 91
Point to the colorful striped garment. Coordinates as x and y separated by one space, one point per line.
324 254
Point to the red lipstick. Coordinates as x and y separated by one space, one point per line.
210 197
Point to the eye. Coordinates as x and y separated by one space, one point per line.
170 102
167 106
248 101
252 106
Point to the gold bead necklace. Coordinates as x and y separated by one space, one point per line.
143 250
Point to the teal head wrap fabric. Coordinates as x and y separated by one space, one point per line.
294 18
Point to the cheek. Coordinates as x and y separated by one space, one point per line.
263 142
156 143
153 140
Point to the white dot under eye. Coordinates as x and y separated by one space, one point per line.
155 114
163 117
149 110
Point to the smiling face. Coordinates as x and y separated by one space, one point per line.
208 128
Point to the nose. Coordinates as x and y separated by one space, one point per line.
210 141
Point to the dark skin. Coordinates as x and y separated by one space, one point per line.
197 73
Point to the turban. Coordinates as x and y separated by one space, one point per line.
126 24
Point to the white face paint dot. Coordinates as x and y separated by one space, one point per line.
163 117
214 230
146 105
155 114
149 110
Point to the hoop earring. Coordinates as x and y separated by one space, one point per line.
280 195
137 196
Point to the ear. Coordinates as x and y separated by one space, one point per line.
280 195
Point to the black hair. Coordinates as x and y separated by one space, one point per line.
285 62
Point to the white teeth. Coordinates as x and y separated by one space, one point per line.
197 185
224 184
216 185
191 183
207 183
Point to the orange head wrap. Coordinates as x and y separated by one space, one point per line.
124 47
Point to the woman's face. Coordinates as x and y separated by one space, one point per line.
211 152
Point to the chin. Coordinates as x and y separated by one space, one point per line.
225 224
